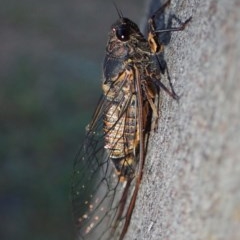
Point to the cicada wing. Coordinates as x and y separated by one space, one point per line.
98 196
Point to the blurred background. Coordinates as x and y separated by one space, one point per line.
51 56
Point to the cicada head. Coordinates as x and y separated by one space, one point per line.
124 29
124 37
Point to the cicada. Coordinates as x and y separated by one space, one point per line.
109 166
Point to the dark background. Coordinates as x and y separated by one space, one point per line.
50 74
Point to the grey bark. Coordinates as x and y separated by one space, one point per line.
191 182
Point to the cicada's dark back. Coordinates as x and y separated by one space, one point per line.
109 166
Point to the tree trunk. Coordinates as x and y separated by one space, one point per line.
191 183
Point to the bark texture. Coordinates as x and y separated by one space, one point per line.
191 183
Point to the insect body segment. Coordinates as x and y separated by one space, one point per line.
121 129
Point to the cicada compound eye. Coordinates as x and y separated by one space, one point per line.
123 33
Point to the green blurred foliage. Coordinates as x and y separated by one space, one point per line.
47 95
50 80
42 109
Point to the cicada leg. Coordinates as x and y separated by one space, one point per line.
154 43
157 46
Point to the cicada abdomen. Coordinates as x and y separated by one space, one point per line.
108 169
121 123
